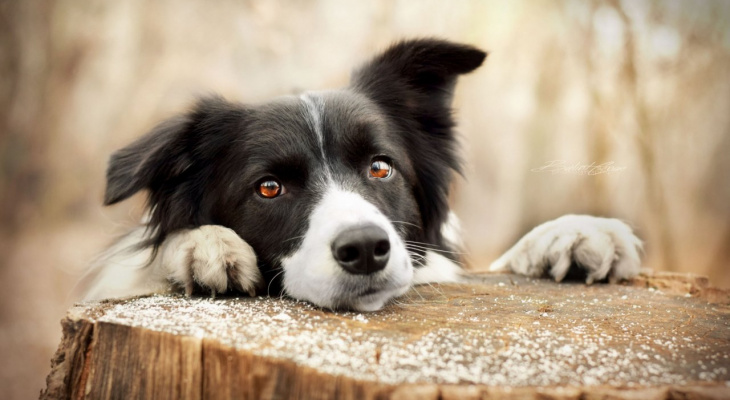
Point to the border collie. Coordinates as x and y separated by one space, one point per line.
336 197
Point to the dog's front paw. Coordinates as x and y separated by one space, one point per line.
212 256
602 246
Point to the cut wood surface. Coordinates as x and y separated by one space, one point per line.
659 336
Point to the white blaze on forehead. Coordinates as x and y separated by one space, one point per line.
314 105
314 115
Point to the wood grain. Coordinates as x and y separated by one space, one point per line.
659 336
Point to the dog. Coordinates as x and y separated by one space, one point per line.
338 197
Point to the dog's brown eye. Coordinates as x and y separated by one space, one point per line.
270 188
380 169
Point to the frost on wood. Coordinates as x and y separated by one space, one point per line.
506 332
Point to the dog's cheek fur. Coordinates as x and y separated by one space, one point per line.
272 227
394 199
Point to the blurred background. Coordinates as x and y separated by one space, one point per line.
640 88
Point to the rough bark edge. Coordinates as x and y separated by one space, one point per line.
69 365
133 362
682 284
260 377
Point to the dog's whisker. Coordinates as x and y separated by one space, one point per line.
407 223
436 289
415 289
427 246
293 238
401 304
422 249
420 262
268 289
408 297
417 247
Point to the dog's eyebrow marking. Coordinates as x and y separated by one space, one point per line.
314 106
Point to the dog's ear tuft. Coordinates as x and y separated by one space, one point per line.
153 157
417 70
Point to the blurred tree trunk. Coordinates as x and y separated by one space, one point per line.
24 43
659 221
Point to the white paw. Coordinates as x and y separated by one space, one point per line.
212 256
602 246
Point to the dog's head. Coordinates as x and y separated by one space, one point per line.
340 193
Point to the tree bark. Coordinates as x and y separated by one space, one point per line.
658 336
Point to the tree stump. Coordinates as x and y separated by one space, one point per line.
661 336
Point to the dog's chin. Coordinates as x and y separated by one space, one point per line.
375 301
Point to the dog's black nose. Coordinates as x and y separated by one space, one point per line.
363 250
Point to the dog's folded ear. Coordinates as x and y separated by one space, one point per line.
174 163
417 76
174 151
158 155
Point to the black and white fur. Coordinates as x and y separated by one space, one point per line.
209 229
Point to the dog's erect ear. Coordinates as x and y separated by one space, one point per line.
417 75
158 155
413 83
